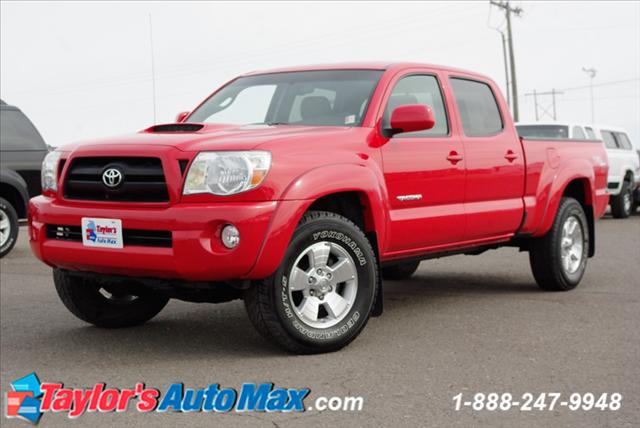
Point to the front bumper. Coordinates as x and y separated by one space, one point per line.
196 253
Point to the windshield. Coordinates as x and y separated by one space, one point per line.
543 131
325 98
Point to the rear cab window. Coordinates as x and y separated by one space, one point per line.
478 108
590 133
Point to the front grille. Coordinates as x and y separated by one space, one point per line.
131 237
142 180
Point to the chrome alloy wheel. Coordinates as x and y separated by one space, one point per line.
323 284
571 245
5 228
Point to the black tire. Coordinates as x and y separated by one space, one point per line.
621 208
545 254
400 271
8 214
86 300
272 310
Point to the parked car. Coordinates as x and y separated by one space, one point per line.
297 189
624 170
624 166
22 150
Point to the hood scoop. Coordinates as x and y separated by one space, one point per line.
175 128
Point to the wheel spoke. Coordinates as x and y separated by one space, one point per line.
335 304
4 223
298 280
342 271
319 255
309 308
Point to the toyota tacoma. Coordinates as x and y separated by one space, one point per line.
298 190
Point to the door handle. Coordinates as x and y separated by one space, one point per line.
510 156
454 157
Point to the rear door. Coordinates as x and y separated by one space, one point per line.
494 161
424 171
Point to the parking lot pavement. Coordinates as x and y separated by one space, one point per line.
462 324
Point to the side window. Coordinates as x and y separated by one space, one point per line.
590 134
418 89
623 140
478 108
578 133
609 140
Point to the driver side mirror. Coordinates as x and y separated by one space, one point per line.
182 116
411 118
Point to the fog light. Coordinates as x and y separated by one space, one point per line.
230 236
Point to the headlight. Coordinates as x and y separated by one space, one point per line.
49 172
226 173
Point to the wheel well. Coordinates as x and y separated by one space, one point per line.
12 196
578 190
628 176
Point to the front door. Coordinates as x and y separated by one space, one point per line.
424 173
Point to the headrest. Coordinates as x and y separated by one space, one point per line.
314 107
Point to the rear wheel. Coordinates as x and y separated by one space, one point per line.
321 296
400 271
8 227
622 203
103 305
559 259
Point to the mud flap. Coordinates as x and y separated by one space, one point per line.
376 309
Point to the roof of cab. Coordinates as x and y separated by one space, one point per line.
364 66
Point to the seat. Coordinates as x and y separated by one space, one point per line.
315 107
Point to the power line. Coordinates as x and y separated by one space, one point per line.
614 82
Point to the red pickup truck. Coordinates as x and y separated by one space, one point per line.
298 189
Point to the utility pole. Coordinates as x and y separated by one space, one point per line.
545 109
508 10
591 72
506 67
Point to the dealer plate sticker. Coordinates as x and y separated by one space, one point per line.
102 232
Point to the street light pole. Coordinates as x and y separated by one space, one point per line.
591 72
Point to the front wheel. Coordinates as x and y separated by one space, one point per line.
106 306
559 259
321 296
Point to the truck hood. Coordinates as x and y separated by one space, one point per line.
197 137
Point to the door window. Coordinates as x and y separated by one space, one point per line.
590 134
623 140
418 89
479 112
609 140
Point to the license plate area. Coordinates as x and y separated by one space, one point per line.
102 232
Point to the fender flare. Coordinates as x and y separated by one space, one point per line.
9 177
306 189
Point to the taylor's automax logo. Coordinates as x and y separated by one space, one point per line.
112 177
29 399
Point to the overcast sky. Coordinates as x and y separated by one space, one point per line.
83 69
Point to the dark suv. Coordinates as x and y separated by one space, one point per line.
22 150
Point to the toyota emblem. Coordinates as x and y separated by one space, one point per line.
112 177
